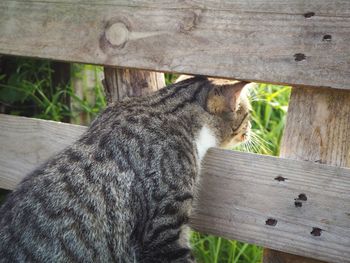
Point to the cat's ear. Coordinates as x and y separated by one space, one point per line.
232 94
225 96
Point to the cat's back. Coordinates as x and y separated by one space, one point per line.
83 205
76 206
54 216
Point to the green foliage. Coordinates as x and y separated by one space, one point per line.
27 89
170 78
269 108
210 249
92 100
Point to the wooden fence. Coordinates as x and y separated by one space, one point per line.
299 205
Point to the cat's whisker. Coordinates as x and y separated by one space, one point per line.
249 146
261 139
258 143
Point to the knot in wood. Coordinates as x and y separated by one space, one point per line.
117 34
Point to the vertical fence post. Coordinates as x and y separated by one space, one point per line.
317 130
61 77
121 83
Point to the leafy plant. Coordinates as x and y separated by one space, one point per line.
269 109
91 98
27 89
210 249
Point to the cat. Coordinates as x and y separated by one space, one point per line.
123 192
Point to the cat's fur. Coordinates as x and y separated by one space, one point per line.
123 192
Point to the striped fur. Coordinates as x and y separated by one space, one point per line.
124 191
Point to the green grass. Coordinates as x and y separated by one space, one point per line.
210 249
92 99
269 108
29 90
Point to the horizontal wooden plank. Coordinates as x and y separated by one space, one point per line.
26 142
294 42
243 196
273 202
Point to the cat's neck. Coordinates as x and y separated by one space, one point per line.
205 139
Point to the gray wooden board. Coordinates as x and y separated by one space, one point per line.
251 40
238 191
26 142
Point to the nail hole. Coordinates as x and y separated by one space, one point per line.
309 14
271 222
280 178
327 38
316 231
299 57
298 204
302 197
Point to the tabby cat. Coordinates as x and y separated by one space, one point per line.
123 192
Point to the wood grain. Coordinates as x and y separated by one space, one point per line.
318 126
317 130
121 83
239 191
294 42
26 142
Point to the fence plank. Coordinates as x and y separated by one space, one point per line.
26 142
294 42
243 194
321 135
240 192
122 83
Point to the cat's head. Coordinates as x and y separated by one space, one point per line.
228 101
228 104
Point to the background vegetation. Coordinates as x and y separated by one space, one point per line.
28 88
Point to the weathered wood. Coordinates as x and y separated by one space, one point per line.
121 83
318 127
240 191
294 42
274 256
26 142
243 193
317 130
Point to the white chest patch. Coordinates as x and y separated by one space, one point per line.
204 141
